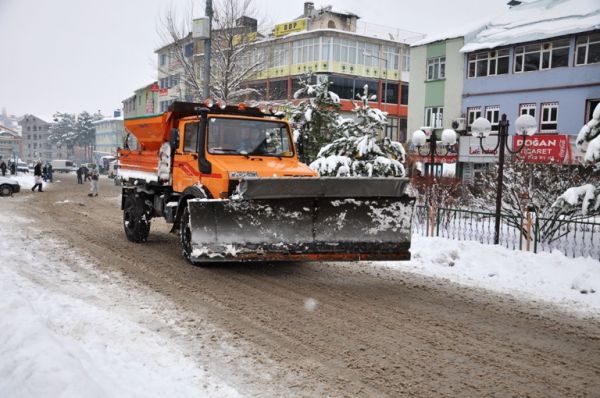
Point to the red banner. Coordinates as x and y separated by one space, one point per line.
544 148
154 88
163 91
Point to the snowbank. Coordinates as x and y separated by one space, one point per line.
65 332
573 284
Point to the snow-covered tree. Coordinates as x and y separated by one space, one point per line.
315 117
361 150
585 199
234 57
64 131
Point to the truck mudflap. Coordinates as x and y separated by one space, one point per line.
274 219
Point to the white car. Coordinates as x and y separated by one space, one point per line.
8 186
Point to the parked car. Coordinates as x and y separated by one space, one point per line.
22 167
8 186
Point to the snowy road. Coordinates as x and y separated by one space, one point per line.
264 329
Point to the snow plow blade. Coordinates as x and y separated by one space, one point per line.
315 219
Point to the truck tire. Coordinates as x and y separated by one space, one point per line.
185 234
135 219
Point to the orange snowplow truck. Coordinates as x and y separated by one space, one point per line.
229 180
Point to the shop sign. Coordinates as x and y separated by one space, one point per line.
544 148
283 29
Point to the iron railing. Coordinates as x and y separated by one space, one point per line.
573 238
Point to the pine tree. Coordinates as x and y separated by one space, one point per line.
360 150
63 132
316 117
585 199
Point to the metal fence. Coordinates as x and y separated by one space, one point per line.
573 238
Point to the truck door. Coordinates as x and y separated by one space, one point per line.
186 162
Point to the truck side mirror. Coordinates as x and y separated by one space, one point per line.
174 139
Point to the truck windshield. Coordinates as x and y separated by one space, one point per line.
249 137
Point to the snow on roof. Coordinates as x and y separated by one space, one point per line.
535 20
531 20
108 119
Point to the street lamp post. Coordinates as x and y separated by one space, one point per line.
526 125
386 79
418 139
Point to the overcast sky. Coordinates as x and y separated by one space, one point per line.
75 55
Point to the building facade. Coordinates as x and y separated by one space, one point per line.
11 144
144 102
324 42
36 142
110 135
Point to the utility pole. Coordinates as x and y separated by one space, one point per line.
207 49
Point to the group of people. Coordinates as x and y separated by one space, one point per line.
4 167
43 174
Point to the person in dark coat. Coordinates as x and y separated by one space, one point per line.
45 173
80 175
49 171
3 168
13 169
37 174
86 174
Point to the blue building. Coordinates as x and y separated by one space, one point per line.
540 58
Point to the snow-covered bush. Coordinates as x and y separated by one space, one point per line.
360 149
315 117
585 199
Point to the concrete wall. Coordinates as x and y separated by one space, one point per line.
416 92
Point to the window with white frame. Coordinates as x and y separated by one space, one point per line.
405 60
344 51
162 59
436 68
306 50
549 119
492 113
280 55
366 53
472 115
434 116
392 55
325 48
488 63
587 49
541 56
527 109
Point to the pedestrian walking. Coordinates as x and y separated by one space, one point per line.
93 181
80 175
37 175
50 171
45 172
3 168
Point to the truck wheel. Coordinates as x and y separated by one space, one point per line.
185 235
135 219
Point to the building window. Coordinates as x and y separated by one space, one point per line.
404 94
588 50
366 53
403 129
162 59
280 55
392 93
391 129
405 60
278 89
590 105
305 51
392 55
330 25
527 109
472 115
542 56
434 117
549 121
188 50
488 63
436 68
492 113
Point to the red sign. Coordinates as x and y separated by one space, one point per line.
163 91
544 148
154 88
450 158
